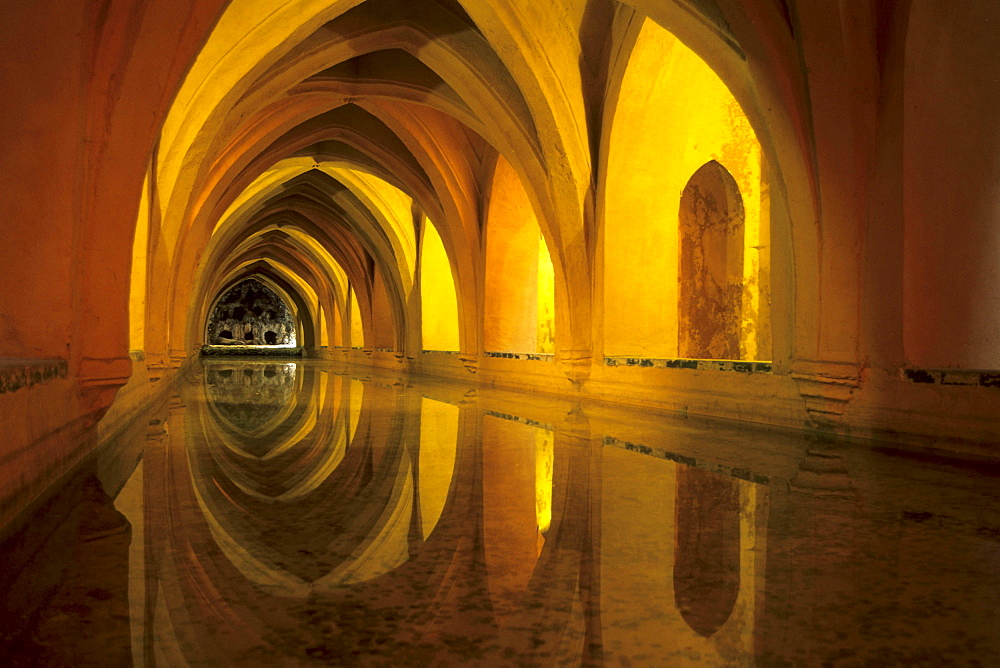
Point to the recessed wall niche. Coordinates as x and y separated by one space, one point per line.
250 314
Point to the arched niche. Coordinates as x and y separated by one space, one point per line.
519 311
251 313
710 265
673 115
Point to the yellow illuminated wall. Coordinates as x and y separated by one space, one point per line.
546 300
520 289
439 304
357 328
324 330
673 116
137 291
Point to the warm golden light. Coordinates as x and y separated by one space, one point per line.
544 463
674 115
357 327
439 304
520 283
137 284
438 442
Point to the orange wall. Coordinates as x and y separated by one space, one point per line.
951 197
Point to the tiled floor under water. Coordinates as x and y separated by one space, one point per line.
272 513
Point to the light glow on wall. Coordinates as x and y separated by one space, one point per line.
438 443
137 290
439 304
520 280
357 327
674 115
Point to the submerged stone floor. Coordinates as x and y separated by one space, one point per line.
291 512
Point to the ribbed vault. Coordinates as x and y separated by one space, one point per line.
330 149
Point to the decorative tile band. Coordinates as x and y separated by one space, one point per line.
968 377
739 366
721 469
520 420
538 357
18 373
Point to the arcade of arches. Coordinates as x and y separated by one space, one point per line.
776 211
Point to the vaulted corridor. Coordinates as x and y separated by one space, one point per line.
518 264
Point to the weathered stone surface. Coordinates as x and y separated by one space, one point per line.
250 313
16 374
711 265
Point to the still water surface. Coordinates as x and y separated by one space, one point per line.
303 512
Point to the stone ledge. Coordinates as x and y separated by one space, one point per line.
20 373
537 357
739 366
966 377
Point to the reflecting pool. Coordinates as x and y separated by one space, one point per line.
273 513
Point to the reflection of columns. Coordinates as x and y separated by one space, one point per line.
814 547
75 580
707 560
561 603
510 527
590 566
132 503
156 506
412 421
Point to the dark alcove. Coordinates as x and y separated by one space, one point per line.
250 313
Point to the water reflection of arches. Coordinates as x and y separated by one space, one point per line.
707 560
688 542
246 398
253 537
324 493
246 543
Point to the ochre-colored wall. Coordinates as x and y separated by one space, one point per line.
673 115
439 304
951 197
513 283
357 325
